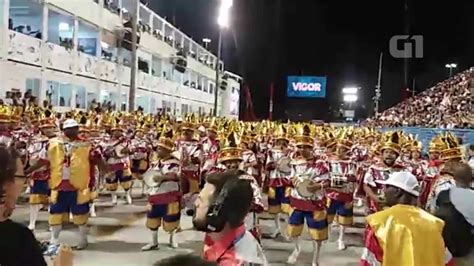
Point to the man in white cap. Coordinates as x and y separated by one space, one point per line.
71 159
404 234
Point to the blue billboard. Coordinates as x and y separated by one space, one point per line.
306 87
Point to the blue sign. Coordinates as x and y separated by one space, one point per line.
306 87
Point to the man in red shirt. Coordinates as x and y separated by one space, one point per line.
221 208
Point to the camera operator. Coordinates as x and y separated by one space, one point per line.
221 208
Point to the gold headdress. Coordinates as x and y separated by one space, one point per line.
6 113
230 147
451 149
46 119
391 140
345 138
166 139
436 144
303 136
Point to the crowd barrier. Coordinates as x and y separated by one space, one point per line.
426 134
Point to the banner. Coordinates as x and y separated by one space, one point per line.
306 87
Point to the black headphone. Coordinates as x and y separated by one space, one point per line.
218 212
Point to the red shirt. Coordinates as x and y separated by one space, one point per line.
223 250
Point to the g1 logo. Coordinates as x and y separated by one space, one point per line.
407 50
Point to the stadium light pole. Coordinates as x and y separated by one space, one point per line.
206 42
451 66
223 22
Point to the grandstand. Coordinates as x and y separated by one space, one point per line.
446 105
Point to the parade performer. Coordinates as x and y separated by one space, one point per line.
451 155
432 169
39 169
89 132
307 199
70 161
164 190
210 148
390 150
118 160
404 234
279 179
190 150
139 153
342 171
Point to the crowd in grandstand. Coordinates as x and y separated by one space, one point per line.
446 105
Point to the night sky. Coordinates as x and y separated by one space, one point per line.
271 39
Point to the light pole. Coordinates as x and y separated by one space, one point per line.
223 22
451 66
206 42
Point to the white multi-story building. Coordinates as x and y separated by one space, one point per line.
72 53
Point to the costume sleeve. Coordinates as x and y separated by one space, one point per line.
369 178
372 255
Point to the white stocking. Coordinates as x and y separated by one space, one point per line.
34 210
340 240
55 231
296 252
316 250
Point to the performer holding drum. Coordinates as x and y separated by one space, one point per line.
117 154
278 177
190 150
307 199
343 183
390 150
163 180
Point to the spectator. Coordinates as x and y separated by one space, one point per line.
446 105
404 234
17 244
455 209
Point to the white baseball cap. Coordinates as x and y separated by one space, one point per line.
70 123
403 180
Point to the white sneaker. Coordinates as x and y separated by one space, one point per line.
114 199
293 257
128 198
341 245
93 213
173 245
31 227
149 247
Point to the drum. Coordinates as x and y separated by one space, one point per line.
149 178
283 165
118 150
302 188
338 181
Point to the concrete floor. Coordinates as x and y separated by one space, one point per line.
118 233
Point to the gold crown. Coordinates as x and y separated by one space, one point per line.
451 148
391 140
303 136
345 137
166 139
436 144
6 113
230 147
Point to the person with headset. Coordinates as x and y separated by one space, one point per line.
221 208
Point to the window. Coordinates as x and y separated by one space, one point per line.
166 106
59 94
211 88
80 97
92 100
184 109
33 85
